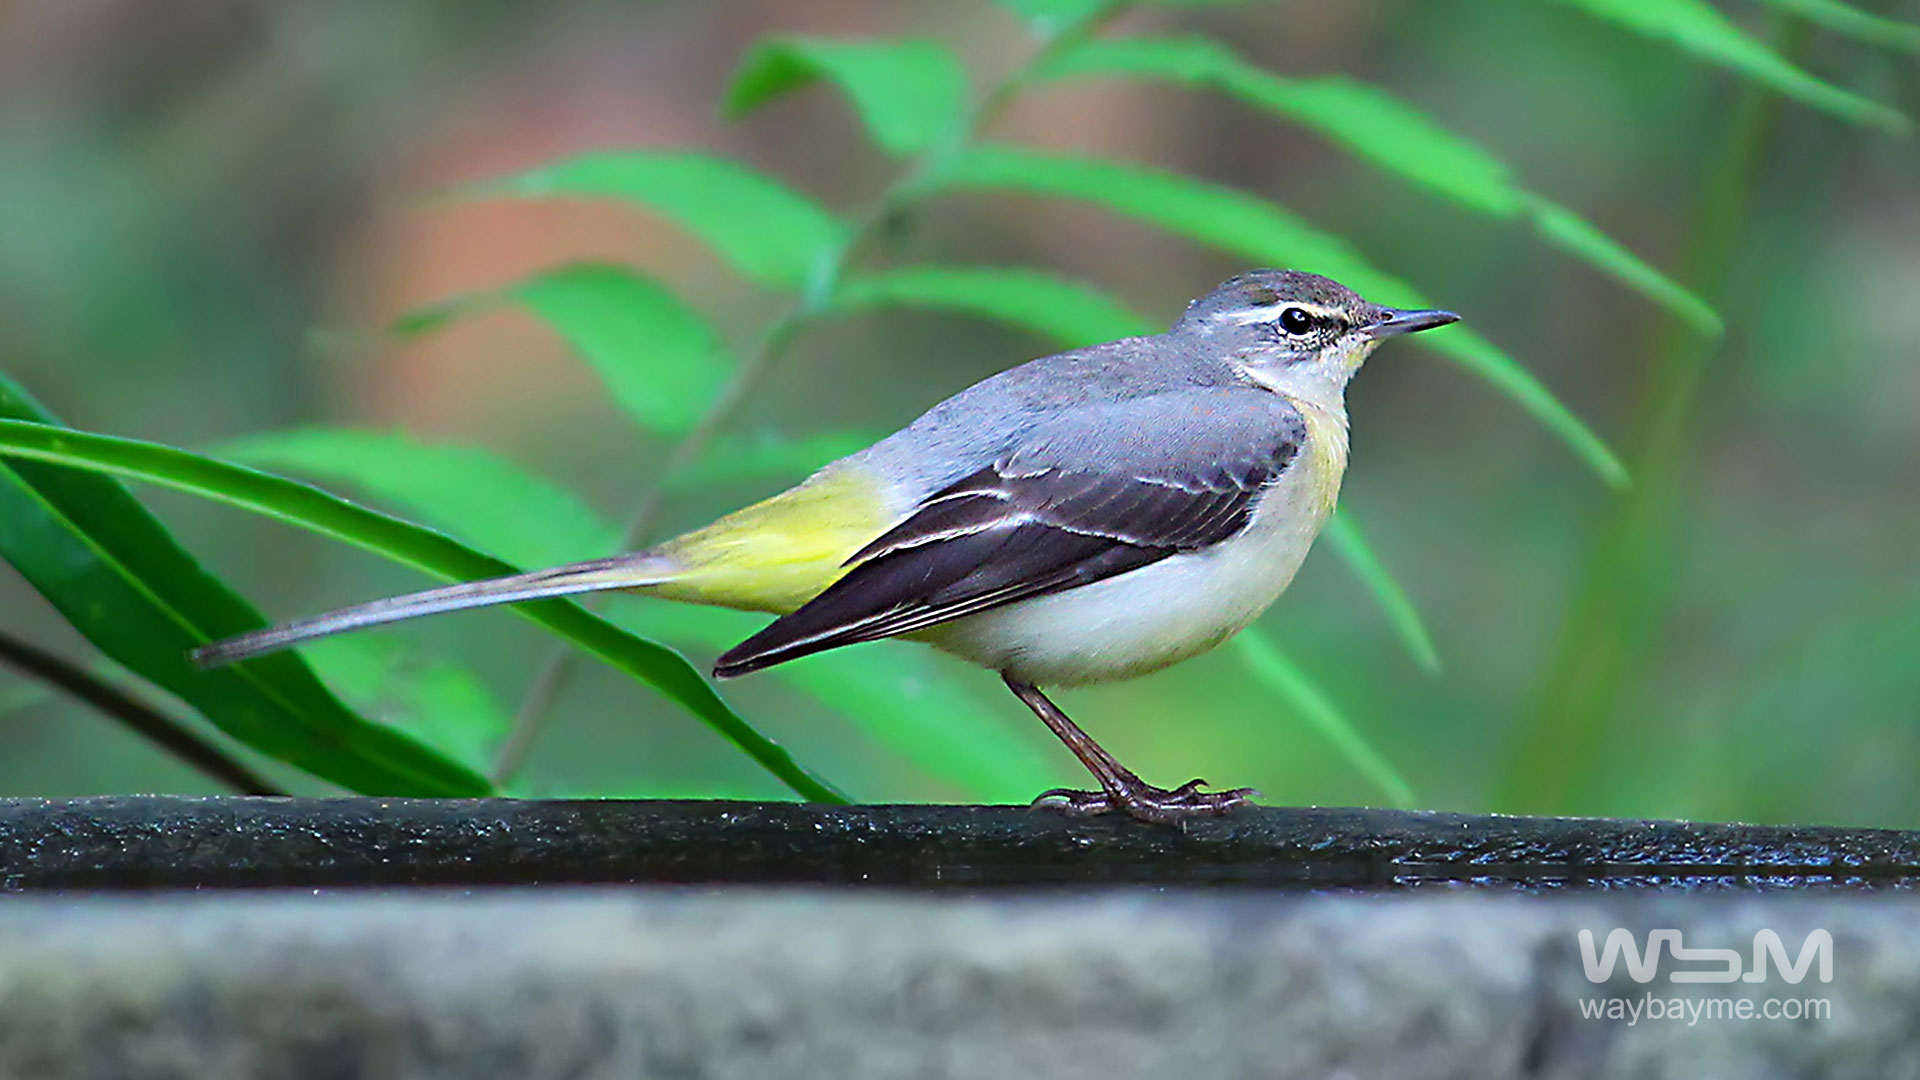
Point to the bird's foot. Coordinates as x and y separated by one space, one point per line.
1148 803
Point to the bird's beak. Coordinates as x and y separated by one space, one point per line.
1394 322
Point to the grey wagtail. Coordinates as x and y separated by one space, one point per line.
1094 515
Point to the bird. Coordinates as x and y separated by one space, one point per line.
1097 514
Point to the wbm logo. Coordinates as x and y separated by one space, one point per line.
1643 965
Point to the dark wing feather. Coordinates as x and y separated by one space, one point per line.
1022 528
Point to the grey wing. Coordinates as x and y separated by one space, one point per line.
1098 493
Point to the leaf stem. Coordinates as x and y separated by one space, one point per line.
867 227
137 716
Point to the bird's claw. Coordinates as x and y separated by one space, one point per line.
1148 803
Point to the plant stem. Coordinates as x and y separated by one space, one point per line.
142 719
866 229
1627 582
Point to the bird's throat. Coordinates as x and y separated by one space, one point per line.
1326 449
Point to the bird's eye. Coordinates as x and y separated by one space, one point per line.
1296 320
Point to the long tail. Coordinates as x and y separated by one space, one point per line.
617 572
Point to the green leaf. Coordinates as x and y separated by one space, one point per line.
1048 18
911 94
1254 229
471 494
660 359
1700 28
465 491
768 231
487 501
1565 229
1382 129
1070 312
1345 536
442 703
1364 119
433 317
315 510
1851 22
117 575
1485 359
1284 677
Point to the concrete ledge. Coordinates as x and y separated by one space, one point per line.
1355 943
801 983
173 843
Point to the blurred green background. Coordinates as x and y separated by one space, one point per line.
210 211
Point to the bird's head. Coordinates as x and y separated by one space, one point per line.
1289 329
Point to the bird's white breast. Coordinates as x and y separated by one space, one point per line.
1167 611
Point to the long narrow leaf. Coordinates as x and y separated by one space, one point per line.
109 566
469 493
1070 312
1347 539
1256 229
1700 28
1048 18
444 704
1565 229
460 490
483 499
1386 131
662 362
1279 672
1852 22
768 231
910 94
315 510
1363 119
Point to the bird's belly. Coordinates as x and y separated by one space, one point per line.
1160 614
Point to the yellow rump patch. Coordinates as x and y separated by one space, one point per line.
778 554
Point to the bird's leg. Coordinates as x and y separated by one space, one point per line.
1120 789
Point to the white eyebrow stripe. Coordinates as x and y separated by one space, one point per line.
1270 312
